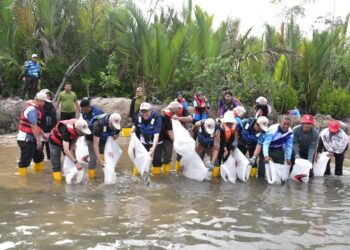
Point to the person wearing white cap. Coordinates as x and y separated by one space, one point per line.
148 128
28 138
174 111
207 134
251 134
64 136
31 77
103 126
228 135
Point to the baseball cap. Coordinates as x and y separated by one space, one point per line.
145 106
334 126
139 89
229 117
261 100
34 55
115 119
263 123
42 96
239 110
307 119
209 126
82 125
174 105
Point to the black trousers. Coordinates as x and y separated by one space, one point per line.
30 87
339 159
157 157
67 116
29 153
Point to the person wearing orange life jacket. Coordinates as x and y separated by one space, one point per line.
201 106
174 111
64 136
228 135
28 138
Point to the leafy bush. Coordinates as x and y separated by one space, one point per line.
335 102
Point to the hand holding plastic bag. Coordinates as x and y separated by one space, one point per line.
276 173
112 154
228 170
301 170
320 166
242 165
193 166
139 155
72 174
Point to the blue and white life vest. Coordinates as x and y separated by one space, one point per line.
103 121
90 116
146 129
279 138
32 69
248 136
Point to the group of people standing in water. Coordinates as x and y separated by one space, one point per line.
217 138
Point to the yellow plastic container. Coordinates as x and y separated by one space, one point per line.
126 132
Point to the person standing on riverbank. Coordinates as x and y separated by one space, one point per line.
69 102
28 138
64 136
31 77
201 106
135 103
335 141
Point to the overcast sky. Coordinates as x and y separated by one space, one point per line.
255 13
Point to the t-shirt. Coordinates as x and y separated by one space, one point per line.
67 100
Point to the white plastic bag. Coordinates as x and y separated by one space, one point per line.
81 151
276 173
192 165
228 170
321 165
112 154
242 165
72 174
301 170
139 155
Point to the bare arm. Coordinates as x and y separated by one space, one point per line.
95 145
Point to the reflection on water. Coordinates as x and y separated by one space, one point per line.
172 212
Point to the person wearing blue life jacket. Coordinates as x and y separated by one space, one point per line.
251 134
103 126
31 77
207 134
88 113
278 142
148 128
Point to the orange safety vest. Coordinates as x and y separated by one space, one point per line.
56 136
24 125
229 131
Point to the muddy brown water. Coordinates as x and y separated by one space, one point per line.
172 212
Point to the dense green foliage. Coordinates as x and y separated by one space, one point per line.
174 51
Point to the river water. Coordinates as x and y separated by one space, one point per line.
172 212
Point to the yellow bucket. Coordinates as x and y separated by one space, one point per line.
126 132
